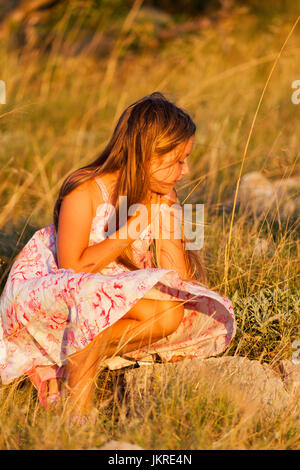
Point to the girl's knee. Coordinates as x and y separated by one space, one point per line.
143 310
163 316
170 316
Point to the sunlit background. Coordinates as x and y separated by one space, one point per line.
69 70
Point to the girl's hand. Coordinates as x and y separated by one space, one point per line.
155 211
167 221
172 211
168 230
149 211
170 198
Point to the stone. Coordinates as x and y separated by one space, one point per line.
264 198
262 248
256 193
253 381
119 445
290 373
288 196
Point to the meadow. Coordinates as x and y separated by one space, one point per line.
62 105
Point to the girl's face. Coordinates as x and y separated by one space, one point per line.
168 171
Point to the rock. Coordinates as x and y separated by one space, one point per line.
288 196
290 375
255 193
262 197
256 382
262 247
119 445
289 186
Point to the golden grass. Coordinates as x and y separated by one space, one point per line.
193 416
60 112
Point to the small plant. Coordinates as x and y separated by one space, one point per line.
267 324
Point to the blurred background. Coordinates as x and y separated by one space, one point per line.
71 67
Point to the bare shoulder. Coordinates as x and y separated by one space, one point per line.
87 193
82 191
79 200
109 181
75 218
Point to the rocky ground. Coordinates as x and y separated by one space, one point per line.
249 383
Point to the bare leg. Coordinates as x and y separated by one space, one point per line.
154 320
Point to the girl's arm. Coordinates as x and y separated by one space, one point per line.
74 227
171 250
172 257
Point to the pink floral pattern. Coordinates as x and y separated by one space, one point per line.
48 313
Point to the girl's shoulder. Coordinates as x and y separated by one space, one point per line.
106 182
88 194
101 188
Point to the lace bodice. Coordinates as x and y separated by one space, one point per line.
142 255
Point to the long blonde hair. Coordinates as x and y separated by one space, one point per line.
149 127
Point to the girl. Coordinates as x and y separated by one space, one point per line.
84 292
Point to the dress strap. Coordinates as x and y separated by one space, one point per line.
103 189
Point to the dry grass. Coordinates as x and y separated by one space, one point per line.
60 112
193 416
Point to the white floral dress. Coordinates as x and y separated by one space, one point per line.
48 313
